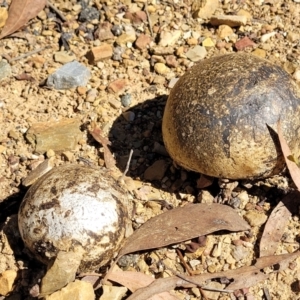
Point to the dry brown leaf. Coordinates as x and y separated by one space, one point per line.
109 160
277 222
181 224
136 280
292 166
241 278
20 12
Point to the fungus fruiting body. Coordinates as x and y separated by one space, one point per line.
221 115
74 208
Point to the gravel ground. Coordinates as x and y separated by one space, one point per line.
135 51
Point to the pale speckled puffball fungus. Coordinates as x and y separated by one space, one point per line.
74 207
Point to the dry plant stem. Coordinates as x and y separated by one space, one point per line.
148 17
202 293
127 166
29 54
56 10
128 162
191 272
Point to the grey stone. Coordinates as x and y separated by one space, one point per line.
88 14
126 100
117 30
5 69
196 53
117 53
70 75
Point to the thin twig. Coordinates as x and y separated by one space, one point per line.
56 10
128 162
121 178
148 17
189 280
191 272
29 53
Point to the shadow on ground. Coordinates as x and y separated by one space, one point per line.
139 129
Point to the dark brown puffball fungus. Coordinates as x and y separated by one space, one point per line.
216 117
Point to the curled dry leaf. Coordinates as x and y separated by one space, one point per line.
20 12
292 166
181 224
97 134
277 222
240 278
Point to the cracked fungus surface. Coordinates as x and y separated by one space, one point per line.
221 116
74 206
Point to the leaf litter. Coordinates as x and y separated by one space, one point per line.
190 221
276 224
182 224
291 164
239 278
97 134
20 12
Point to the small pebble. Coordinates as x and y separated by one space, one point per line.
117 30
196 53
230 20
172 82
7 279
244 43
143 41
169 38
224 31
240 252
161 68
117 53
129 116
267 36
171 61
89 14
208 42
64 57
113 292
126 100
50 153
156 171
5 69
255 218
70 75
